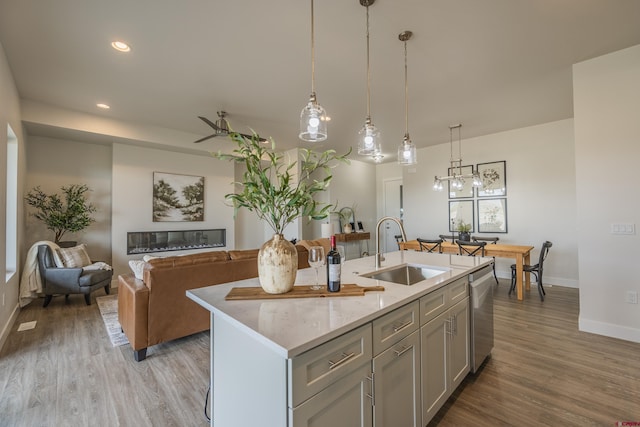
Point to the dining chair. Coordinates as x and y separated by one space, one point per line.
535 269
490 241
444 237
430 245
471 248
398 238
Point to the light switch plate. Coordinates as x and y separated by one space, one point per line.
623 228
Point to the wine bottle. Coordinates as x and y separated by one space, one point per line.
334 267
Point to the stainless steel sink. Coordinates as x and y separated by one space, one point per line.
405 274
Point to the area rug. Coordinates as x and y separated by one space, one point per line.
108 306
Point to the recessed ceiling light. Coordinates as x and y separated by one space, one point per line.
103 106
120 46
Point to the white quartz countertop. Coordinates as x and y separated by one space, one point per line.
291 326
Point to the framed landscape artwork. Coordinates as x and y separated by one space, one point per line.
467 189
494 179
177 197
492 215
460 210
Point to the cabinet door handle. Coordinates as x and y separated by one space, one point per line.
448 329
372 395
402 351
345 358
402 326
455 324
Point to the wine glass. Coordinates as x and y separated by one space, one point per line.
316 260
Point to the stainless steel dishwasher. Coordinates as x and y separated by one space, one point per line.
481 283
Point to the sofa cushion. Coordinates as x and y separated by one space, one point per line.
325 243
244 254
190 259
75 257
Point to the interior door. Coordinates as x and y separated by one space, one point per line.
392 207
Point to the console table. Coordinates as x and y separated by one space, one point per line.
355 237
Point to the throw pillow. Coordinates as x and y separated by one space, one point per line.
137 266
75 257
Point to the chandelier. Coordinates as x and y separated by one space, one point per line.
457 178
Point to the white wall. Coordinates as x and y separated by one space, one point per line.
541 201
9 116
133 169
53 163
354 185
607 127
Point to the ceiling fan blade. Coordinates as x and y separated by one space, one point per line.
251 136
206 137
210 123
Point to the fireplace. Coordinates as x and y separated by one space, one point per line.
144 242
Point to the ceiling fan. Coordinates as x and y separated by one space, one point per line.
221 128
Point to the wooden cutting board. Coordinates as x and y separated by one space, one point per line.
300 291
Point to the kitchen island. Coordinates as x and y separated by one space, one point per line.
313 361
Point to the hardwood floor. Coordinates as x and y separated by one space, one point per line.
542 372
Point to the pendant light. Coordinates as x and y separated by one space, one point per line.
457 178
369 136
406 150
313 118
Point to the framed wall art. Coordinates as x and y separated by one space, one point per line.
177 197
467 189
494 179
460 211
492 215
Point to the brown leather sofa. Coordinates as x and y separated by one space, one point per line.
156 309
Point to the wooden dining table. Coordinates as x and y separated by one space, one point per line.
521 254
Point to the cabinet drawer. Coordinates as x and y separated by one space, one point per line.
433 304
317 368
394 326
458 290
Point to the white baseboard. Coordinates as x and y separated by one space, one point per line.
7 328
547 281
609 330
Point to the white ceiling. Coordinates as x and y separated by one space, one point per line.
491 65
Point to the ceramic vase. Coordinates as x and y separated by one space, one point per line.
277 265
347 228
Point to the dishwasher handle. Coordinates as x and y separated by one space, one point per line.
479 274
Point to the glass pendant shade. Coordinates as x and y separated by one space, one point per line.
407 152
313 123
368 139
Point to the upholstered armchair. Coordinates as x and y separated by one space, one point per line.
56 280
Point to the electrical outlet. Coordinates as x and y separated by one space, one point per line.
631 297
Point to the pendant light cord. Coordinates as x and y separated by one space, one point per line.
368 72
313 54
406 93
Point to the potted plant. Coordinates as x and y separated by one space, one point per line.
70 213
463 231
270 189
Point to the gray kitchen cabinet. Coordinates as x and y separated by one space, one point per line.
345 403
444 356
396 379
